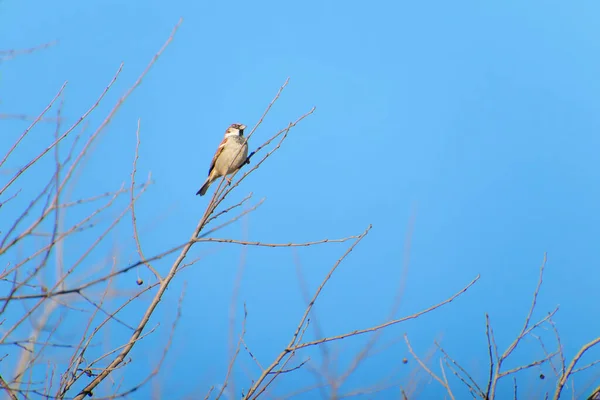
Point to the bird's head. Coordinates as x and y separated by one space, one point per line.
235 130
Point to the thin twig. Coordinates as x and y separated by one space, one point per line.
472 381
290 346
232 220
6 55
569 371
245 243
237 351
389 323
426 368
136 236
7 389
35 121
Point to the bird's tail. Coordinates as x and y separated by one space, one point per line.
204 187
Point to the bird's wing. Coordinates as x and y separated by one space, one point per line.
217 154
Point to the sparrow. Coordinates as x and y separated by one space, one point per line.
230 156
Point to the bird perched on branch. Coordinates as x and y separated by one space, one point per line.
230 156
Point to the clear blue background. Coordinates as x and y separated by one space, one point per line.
478 118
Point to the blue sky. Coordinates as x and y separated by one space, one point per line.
478 118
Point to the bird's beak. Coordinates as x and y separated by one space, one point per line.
242 127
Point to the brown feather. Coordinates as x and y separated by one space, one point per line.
217 154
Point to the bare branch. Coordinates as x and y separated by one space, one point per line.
39 117
389 323
6 55
237 351
569 371
7 389
290 346
429 371
472 385
133 217
245 243
232 220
